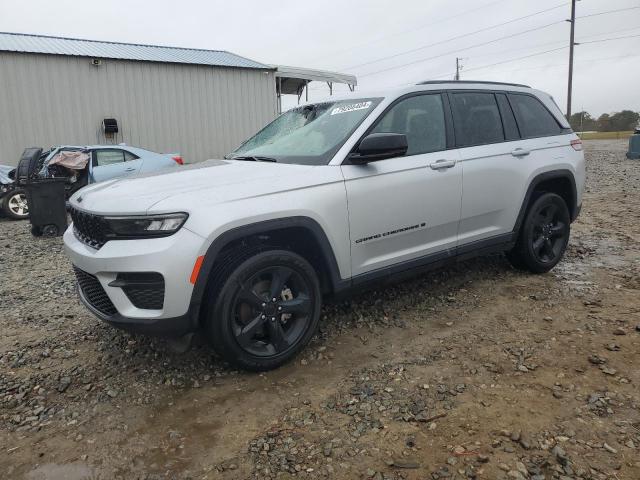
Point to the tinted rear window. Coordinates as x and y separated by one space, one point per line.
508 120
533 117
477 119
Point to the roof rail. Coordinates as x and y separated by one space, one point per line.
484 82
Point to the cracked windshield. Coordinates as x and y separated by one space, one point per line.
308 135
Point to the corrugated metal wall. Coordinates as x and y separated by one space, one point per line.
200 111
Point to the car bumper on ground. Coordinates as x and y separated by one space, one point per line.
138 285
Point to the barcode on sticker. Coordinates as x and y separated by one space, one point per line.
351 107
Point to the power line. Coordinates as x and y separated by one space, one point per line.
608 39
397 34
608 12
489 28
572 44
522 57
537 54
498 63
617 31
539 45
456 37
537 67
462 49
517 58
590 60
492 54
506 37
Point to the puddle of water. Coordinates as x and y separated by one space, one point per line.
71 471
575 272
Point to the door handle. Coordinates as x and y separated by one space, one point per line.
520 152
442 164
129 169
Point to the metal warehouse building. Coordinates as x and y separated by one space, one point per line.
201 103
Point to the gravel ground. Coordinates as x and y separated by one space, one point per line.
475 371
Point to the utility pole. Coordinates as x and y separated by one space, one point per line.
571 45
458 67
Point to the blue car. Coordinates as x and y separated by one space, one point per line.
113 161
81 166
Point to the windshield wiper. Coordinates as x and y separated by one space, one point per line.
253 158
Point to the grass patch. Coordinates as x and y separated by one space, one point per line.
605 135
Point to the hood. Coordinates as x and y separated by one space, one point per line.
221 180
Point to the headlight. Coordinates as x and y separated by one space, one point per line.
145 226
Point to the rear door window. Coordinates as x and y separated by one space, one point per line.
533 117
477 118
421 119
109 157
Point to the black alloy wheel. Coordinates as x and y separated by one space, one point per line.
544 235
270 311
549 234
267 308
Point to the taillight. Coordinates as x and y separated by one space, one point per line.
178 159
577 145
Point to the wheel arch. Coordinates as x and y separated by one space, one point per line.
316 242
561 182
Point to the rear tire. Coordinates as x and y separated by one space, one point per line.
544 235
15 205
264 309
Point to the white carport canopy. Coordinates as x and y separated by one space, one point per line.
295 81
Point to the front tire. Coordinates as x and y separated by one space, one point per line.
15 205
544 235
265 310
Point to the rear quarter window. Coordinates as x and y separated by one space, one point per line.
128 156
534 120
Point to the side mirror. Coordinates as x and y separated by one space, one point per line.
379 146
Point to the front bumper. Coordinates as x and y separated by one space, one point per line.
165 327
172 257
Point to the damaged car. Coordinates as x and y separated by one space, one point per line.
13 200
79 166
92 164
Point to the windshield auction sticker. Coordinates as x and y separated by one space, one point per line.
351 107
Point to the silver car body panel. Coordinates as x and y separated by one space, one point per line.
374 216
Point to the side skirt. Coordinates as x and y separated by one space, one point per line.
412 268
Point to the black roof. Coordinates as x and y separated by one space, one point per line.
438 82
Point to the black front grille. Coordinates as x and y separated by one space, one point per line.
90 229
144 289
94 293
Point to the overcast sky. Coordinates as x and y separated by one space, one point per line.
384 43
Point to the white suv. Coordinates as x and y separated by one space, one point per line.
328 197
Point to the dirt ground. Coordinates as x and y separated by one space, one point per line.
475 371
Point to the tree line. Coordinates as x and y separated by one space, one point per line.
615 122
